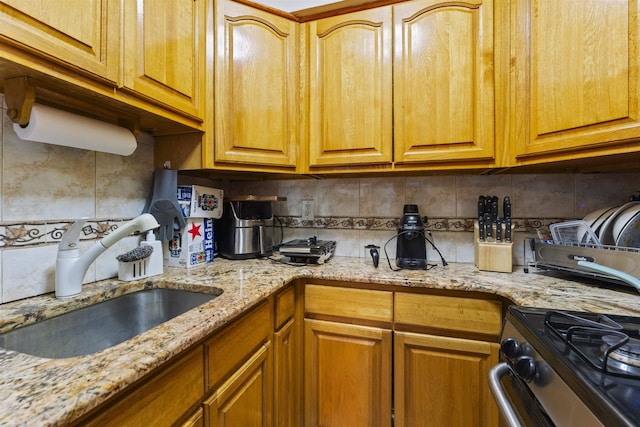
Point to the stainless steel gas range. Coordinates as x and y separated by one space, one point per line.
562 368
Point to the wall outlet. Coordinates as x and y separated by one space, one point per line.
308 210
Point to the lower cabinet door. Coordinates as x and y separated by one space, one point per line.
347 375
286 397
442 381
246 398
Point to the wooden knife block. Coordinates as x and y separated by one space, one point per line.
493 256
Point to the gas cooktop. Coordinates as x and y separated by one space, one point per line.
597 356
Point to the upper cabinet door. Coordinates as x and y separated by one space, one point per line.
83 35
443 81
164 49
575 80
350 100
256 87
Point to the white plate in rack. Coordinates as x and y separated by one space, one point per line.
626 230
596 218
605 233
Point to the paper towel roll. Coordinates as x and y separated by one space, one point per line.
59 127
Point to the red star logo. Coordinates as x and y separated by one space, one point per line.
194 231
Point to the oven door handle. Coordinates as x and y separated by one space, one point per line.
495 374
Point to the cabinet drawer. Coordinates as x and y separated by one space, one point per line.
160 401
448 313
285 306
228 349
346 302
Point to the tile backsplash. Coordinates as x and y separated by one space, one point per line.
357 212
45 187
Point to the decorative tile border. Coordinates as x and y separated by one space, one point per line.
529 225
14 235
39 233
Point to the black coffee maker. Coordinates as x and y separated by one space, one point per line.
411 250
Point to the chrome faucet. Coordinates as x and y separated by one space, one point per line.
71 267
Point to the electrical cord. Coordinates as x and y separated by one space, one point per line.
444 263
277 218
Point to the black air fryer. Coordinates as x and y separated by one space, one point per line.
411 251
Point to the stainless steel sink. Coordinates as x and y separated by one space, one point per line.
102 325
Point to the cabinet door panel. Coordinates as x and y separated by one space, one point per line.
443 81
256 86
347 375
286 391
350 89
575 75
82 34
442 381
245 399
227 349
164 52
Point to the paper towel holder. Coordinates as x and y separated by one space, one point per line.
20 95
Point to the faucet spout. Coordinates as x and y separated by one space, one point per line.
71 267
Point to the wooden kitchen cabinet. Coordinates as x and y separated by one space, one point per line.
347 366
575 79
350 89
443 381
430 105
82 35
160 401
245 398
287 365
227 381
348 375
164 53
443 77
444 347
255 98
239 371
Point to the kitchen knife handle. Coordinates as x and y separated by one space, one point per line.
506 207
498 230
481 228
507 229
488 227
481 207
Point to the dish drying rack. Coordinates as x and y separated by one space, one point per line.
616 264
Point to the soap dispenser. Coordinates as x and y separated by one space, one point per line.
155 265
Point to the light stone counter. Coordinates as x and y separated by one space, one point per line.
35 391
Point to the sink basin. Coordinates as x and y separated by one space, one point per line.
102 325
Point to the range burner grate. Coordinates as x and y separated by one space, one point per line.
619 353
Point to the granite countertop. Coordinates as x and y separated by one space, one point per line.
36 391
